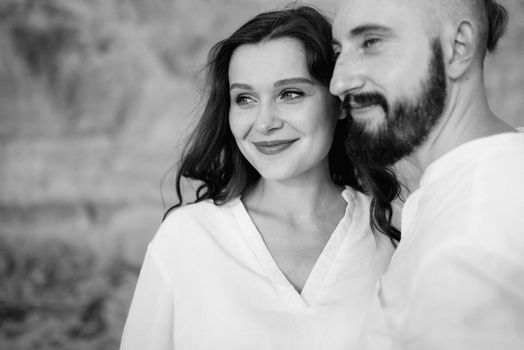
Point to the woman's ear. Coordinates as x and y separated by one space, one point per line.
461 50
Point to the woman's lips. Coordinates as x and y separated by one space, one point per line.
273 147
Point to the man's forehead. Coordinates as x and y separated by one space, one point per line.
414 4
389 13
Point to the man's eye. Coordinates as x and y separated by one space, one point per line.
371 42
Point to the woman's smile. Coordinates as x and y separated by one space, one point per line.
274 146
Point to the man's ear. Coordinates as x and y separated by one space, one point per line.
461 50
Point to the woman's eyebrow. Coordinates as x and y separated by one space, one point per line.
293 81
240 86
279 83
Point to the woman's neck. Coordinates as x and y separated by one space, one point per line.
301 198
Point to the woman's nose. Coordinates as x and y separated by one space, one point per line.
268 118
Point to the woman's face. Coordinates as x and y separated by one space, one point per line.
283 120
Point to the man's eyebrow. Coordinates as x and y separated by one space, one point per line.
362 29
293 81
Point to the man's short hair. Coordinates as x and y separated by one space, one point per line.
496 21
489 17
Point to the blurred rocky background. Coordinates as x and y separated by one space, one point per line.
95 99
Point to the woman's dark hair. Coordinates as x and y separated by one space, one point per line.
212 157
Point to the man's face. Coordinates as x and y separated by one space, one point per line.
390 75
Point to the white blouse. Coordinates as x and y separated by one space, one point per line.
208 281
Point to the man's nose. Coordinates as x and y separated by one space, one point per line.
348 76
268 118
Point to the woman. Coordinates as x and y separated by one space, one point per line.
278 251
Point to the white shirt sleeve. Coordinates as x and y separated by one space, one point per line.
149 324
466 296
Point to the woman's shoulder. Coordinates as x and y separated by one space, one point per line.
190 233
191 220
190 210
199 210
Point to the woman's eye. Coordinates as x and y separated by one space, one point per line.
243 100
291 95
336 52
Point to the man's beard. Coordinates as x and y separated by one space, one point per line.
407 124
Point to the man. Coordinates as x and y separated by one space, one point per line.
410 75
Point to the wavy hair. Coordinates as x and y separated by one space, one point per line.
211 155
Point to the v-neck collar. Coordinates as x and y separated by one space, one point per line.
321 267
